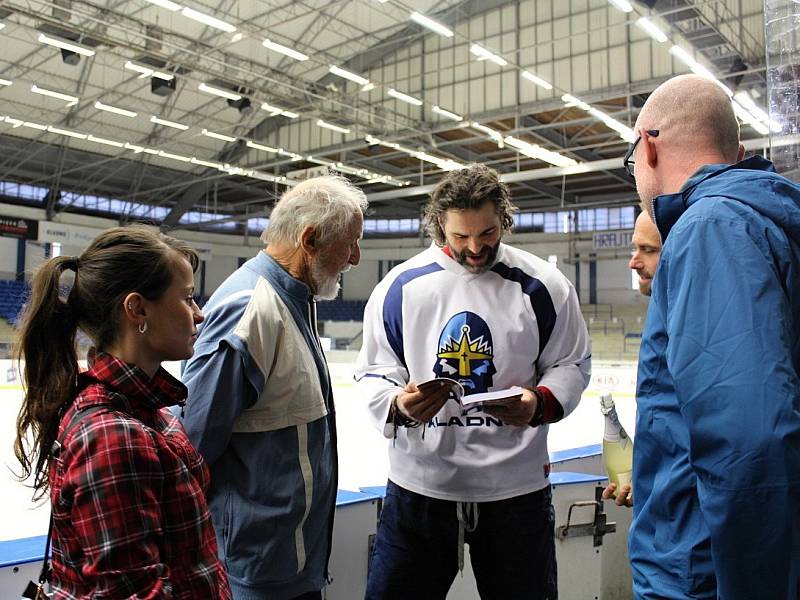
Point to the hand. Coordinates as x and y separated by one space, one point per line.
518 411
421 404
624 497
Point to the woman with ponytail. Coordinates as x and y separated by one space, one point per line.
127 489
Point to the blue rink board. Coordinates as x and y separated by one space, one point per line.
574 453
31 549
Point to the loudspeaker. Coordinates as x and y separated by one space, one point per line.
160 87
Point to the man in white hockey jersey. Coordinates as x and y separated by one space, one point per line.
490 316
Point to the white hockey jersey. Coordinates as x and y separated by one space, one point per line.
518 323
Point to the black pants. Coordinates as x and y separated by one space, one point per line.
416 549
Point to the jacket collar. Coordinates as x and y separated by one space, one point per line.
294 287
668 208
133 384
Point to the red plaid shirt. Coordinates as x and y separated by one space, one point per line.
128 495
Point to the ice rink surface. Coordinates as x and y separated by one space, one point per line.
362 449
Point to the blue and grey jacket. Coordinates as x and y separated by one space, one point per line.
717 454
260 410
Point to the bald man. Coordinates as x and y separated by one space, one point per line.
717 455
645 250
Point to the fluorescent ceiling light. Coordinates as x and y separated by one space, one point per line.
262 147
71 99
37 126
368 88
67 132
136 149
166 4
332 127
537 80
623 5
204 87
13 122
446 113
539 153
148 72
404 97
434 26
150 151
218 136
571 100
206 163
173 124
484 54
348 75
174 156
488 130
749 119
5 82
113 109
65 45
207 20
749 104
687 59
2 25
286 51
651 29
105 141
274 110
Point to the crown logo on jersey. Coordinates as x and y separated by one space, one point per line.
466 352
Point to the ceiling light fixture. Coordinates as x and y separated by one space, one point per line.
218 136
537 80
207 20
404 97
434 26
148 72
348 75
623 5
651 29
687 59
179 157
72 100
67 132
446 113
281 49
65 45
263 148
113 109
539 153
484 54
105 141
165 4
173 124
743 98
625 132
274 110
206 163
332 127
5 82
204 87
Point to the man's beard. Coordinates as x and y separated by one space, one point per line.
327 286
461 258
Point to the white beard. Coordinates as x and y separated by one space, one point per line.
327 287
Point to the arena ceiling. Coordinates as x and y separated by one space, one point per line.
212 108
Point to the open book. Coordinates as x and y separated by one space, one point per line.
505 396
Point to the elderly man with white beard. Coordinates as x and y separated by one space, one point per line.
260 406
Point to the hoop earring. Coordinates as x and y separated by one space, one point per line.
142 327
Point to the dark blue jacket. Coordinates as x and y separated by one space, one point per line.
717 453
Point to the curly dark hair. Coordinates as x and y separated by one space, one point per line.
468 188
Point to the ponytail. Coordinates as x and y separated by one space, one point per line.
46 345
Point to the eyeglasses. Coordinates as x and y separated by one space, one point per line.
627 161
